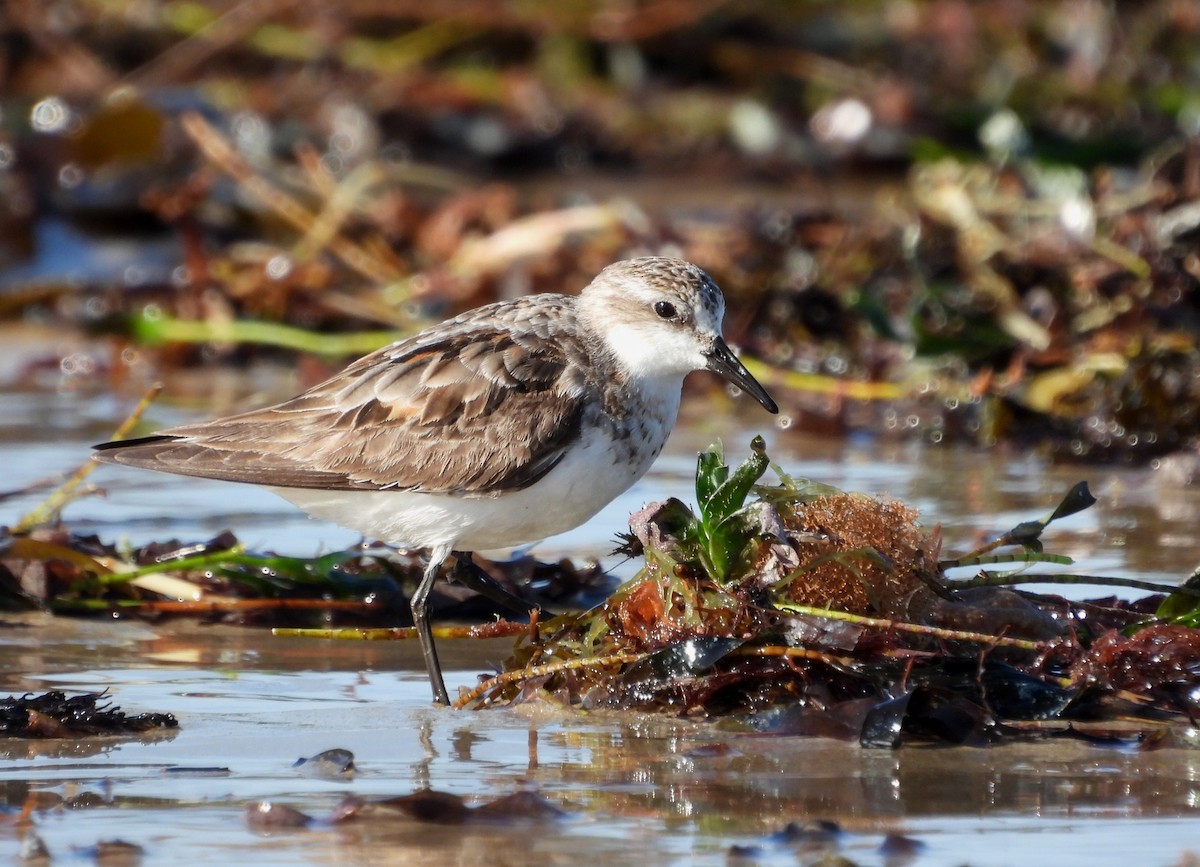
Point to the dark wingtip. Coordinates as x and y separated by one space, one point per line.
111 451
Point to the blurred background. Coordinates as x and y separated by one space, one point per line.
949 221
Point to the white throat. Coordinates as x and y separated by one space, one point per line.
648 358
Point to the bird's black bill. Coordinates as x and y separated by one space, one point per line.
722 360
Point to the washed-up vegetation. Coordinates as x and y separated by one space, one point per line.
56 715
806 610
955 221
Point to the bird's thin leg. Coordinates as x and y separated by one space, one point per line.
469 574
420 613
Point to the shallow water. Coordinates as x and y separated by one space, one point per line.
633 788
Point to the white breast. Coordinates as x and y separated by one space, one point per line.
601 465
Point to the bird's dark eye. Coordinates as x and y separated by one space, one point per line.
665 309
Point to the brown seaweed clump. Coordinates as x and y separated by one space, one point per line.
808 610
865 555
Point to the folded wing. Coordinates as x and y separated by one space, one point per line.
471 409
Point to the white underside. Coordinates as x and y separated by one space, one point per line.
588 478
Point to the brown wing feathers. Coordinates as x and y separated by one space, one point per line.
474 412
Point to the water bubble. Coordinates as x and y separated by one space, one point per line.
70 176
570 158
1077 215
333 164
396 153
343 143
353 130
252 135
1003 134
753 127
487 136
77 364
279 266
548 122
51 115
844 122
626 65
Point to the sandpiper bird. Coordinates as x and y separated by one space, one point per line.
502 426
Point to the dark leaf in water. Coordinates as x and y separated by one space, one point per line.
709 751
86 801
738 853
926 713
429 806
815 838
814 831
883 724
350 807
115 853
685 659
896 846
1076 500
1028 533
842 721
519 805
1013 694
330 763
946 717
266 815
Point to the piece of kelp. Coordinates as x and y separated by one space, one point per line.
56 715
